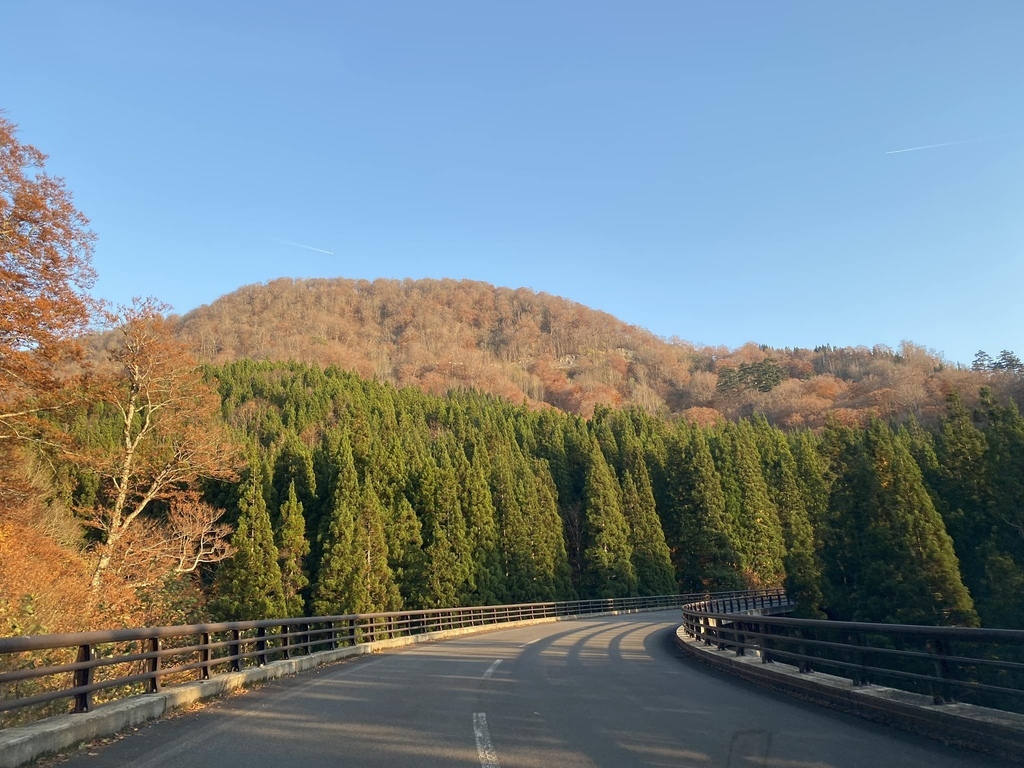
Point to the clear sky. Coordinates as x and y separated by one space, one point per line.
716 171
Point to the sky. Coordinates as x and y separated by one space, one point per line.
718 172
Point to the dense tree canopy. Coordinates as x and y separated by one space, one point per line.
472 499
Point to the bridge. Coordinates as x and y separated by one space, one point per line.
509 686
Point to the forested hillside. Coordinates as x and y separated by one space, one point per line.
165 492
537 348
369 498
327 446
356 496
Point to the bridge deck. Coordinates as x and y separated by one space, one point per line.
608 691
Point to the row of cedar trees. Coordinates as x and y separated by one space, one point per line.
361 498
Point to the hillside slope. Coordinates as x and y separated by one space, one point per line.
538 348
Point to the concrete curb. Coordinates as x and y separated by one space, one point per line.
984 730
24 744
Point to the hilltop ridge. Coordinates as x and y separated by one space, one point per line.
537 348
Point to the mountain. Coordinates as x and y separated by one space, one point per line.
537 348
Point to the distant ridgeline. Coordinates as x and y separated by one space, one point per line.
362 497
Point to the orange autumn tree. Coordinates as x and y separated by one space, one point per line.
45 272
168 437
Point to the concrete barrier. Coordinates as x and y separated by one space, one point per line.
979 728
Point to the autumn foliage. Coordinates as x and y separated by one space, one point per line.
165 435
442 335
45 273
138 427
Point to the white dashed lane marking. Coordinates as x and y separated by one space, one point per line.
484 747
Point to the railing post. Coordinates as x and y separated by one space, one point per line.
261 646
83 701
153 666
765 644
204 655
941 691
805 661
235 649
860 676
286 640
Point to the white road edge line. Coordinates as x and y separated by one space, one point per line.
484 747
490 669
531 642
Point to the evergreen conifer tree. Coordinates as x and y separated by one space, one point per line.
602 431
481 530
513 534
405 551
555 582
651 560
292 548
1003 548
330 594
448 570
803 569
608 566
248 585
720 441
811 477
294 466
704 555
372 587
894 560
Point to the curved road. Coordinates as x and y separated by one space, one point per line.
607 691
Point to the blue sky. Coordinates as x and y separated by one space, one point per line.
712 171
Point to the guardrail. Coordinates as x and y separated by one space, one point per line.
977 666
40 670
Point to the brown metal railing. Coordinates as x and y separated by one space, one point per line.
981 666
79 667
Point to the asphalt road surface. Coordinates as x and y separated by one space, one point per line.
595 692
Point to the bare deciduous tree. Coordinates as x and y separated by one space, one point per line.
170 435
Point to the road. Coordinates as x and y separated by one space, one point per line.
604 691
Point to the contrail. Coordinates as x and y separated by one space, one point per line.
307 247
951 143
